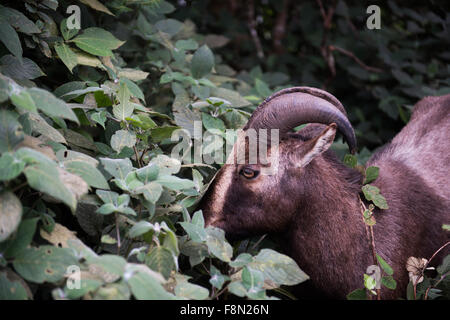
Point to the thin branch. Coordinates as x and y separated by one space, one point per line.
279 28
252 27
357 60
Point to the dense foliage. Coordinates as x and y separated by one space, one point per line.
88 181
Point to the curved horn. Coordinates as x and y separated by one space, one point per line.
292 107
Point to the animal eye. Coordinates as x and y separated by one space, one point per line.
249 173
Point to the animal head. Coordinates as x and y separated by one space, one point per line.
244 198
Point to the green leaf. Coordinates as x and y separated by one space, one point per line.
161 133
148 173
99 117
87 172
11 133
189 44
118 168
202 62
134 88
45 178
152 191
140 228
252 279
262 88
196 233
97 5
97 41
10 167
22 238
241 260
10 38
124 109
51 105
236 100
218 245
23 100
191 291
66 32
237 288
66 55
217 278
121 139
350 160
169 26
212 123
277 267
10 214
389 282
43 264
358 294
371 174
18 20
161 260
385 266
175 183
372 193
146 286
20 70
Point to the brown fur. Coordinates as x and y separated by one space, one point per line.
316 207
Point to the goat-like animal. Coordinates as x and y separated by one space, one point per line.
312 201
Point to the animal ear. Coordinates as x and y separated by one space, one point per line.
317 145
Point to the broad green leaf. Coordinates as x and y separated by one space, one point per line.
20 70
189 44
118 168
12 287
174 183
202 62
161 260
10 38
124 109
189 290
146 286
252 279
169 26
166 164
389 282
236 100
197 252
45 178
99 117
43 264
108 266
113 291
212 123
22 99
385 266
22 238
237 288
134 88
39 125
372 193
358 294
51 105
121 139
66 32
87 172
97 5
350 160
241 260
217 278
218 245
277 267
10 214
10 167
196 233
18 20
97 41
371 174
140 228
262 88
152 191
148 173
11 133
161 133
66 55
